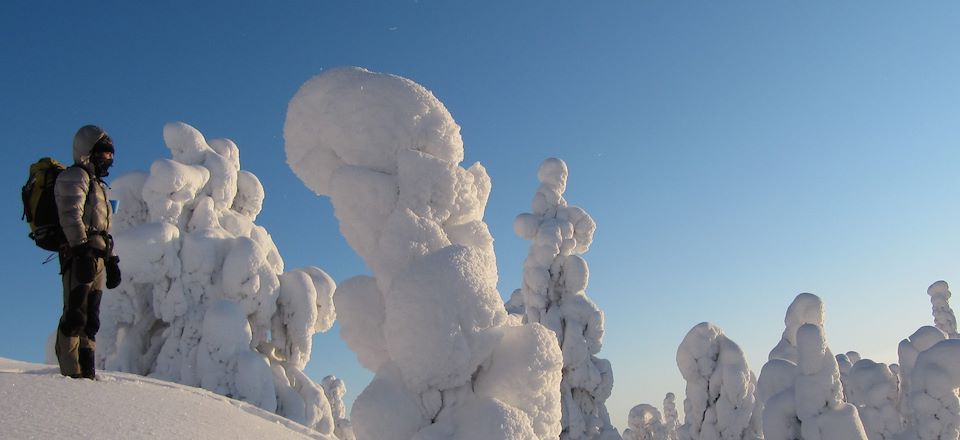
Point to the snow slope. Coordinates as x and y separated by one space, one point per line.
36 402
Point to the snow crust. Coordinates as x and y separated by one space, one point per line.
205 300
429 322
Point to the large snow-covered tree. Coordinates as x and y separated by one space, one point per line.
554 287
205 300
448 362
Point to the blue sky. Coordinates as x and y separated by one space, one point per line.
733 154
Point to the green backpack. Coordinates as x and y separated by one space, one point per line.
40 206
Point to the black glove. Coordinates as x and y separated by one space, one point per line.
113 272
84 265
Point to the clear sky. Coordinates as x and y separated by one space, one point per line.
733 154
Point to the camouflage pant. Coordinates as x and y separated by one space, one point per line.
77 331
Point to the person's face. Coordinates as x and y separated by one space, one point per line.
102 156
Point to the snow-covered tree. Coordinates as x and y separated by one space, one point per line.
872 388
671 418
645 423
554 294
935 383
205 300
720 402
908 351
800 387
912 402
448 362
943 316
334 389
813 408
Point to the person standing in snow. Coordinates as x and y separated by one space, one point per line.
87 260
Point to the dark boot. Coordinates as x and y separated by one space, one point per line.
87 368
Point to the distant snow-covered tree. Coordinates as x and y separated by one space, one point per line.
645 423
205 300
943 316
671 418
554 287
720 402
448 361
334 389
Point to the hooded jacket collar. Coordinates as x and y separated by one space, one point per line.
83 142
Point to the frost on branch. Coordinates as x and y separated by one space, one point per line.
448 362
720 402
205 300
554 294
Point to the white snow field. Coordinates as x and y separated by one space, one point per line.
36 402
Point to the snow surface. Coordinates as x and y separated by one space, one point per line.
429 323
36 402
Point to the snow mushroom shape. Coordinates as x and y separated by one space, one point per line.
327 125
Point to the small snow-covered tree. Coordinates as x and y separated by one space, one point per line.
720 400
205 300
448 362
645 423
671 417
943 316
334 389
554 294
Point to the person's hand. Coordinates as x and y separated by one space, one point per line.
113 272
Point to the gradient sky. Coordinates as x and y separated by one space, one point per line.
733 154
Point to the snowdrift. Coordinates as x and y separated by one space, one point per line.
37 402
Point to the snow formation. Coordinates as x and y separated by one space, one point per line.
554 294
205 300
721 401
429 323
